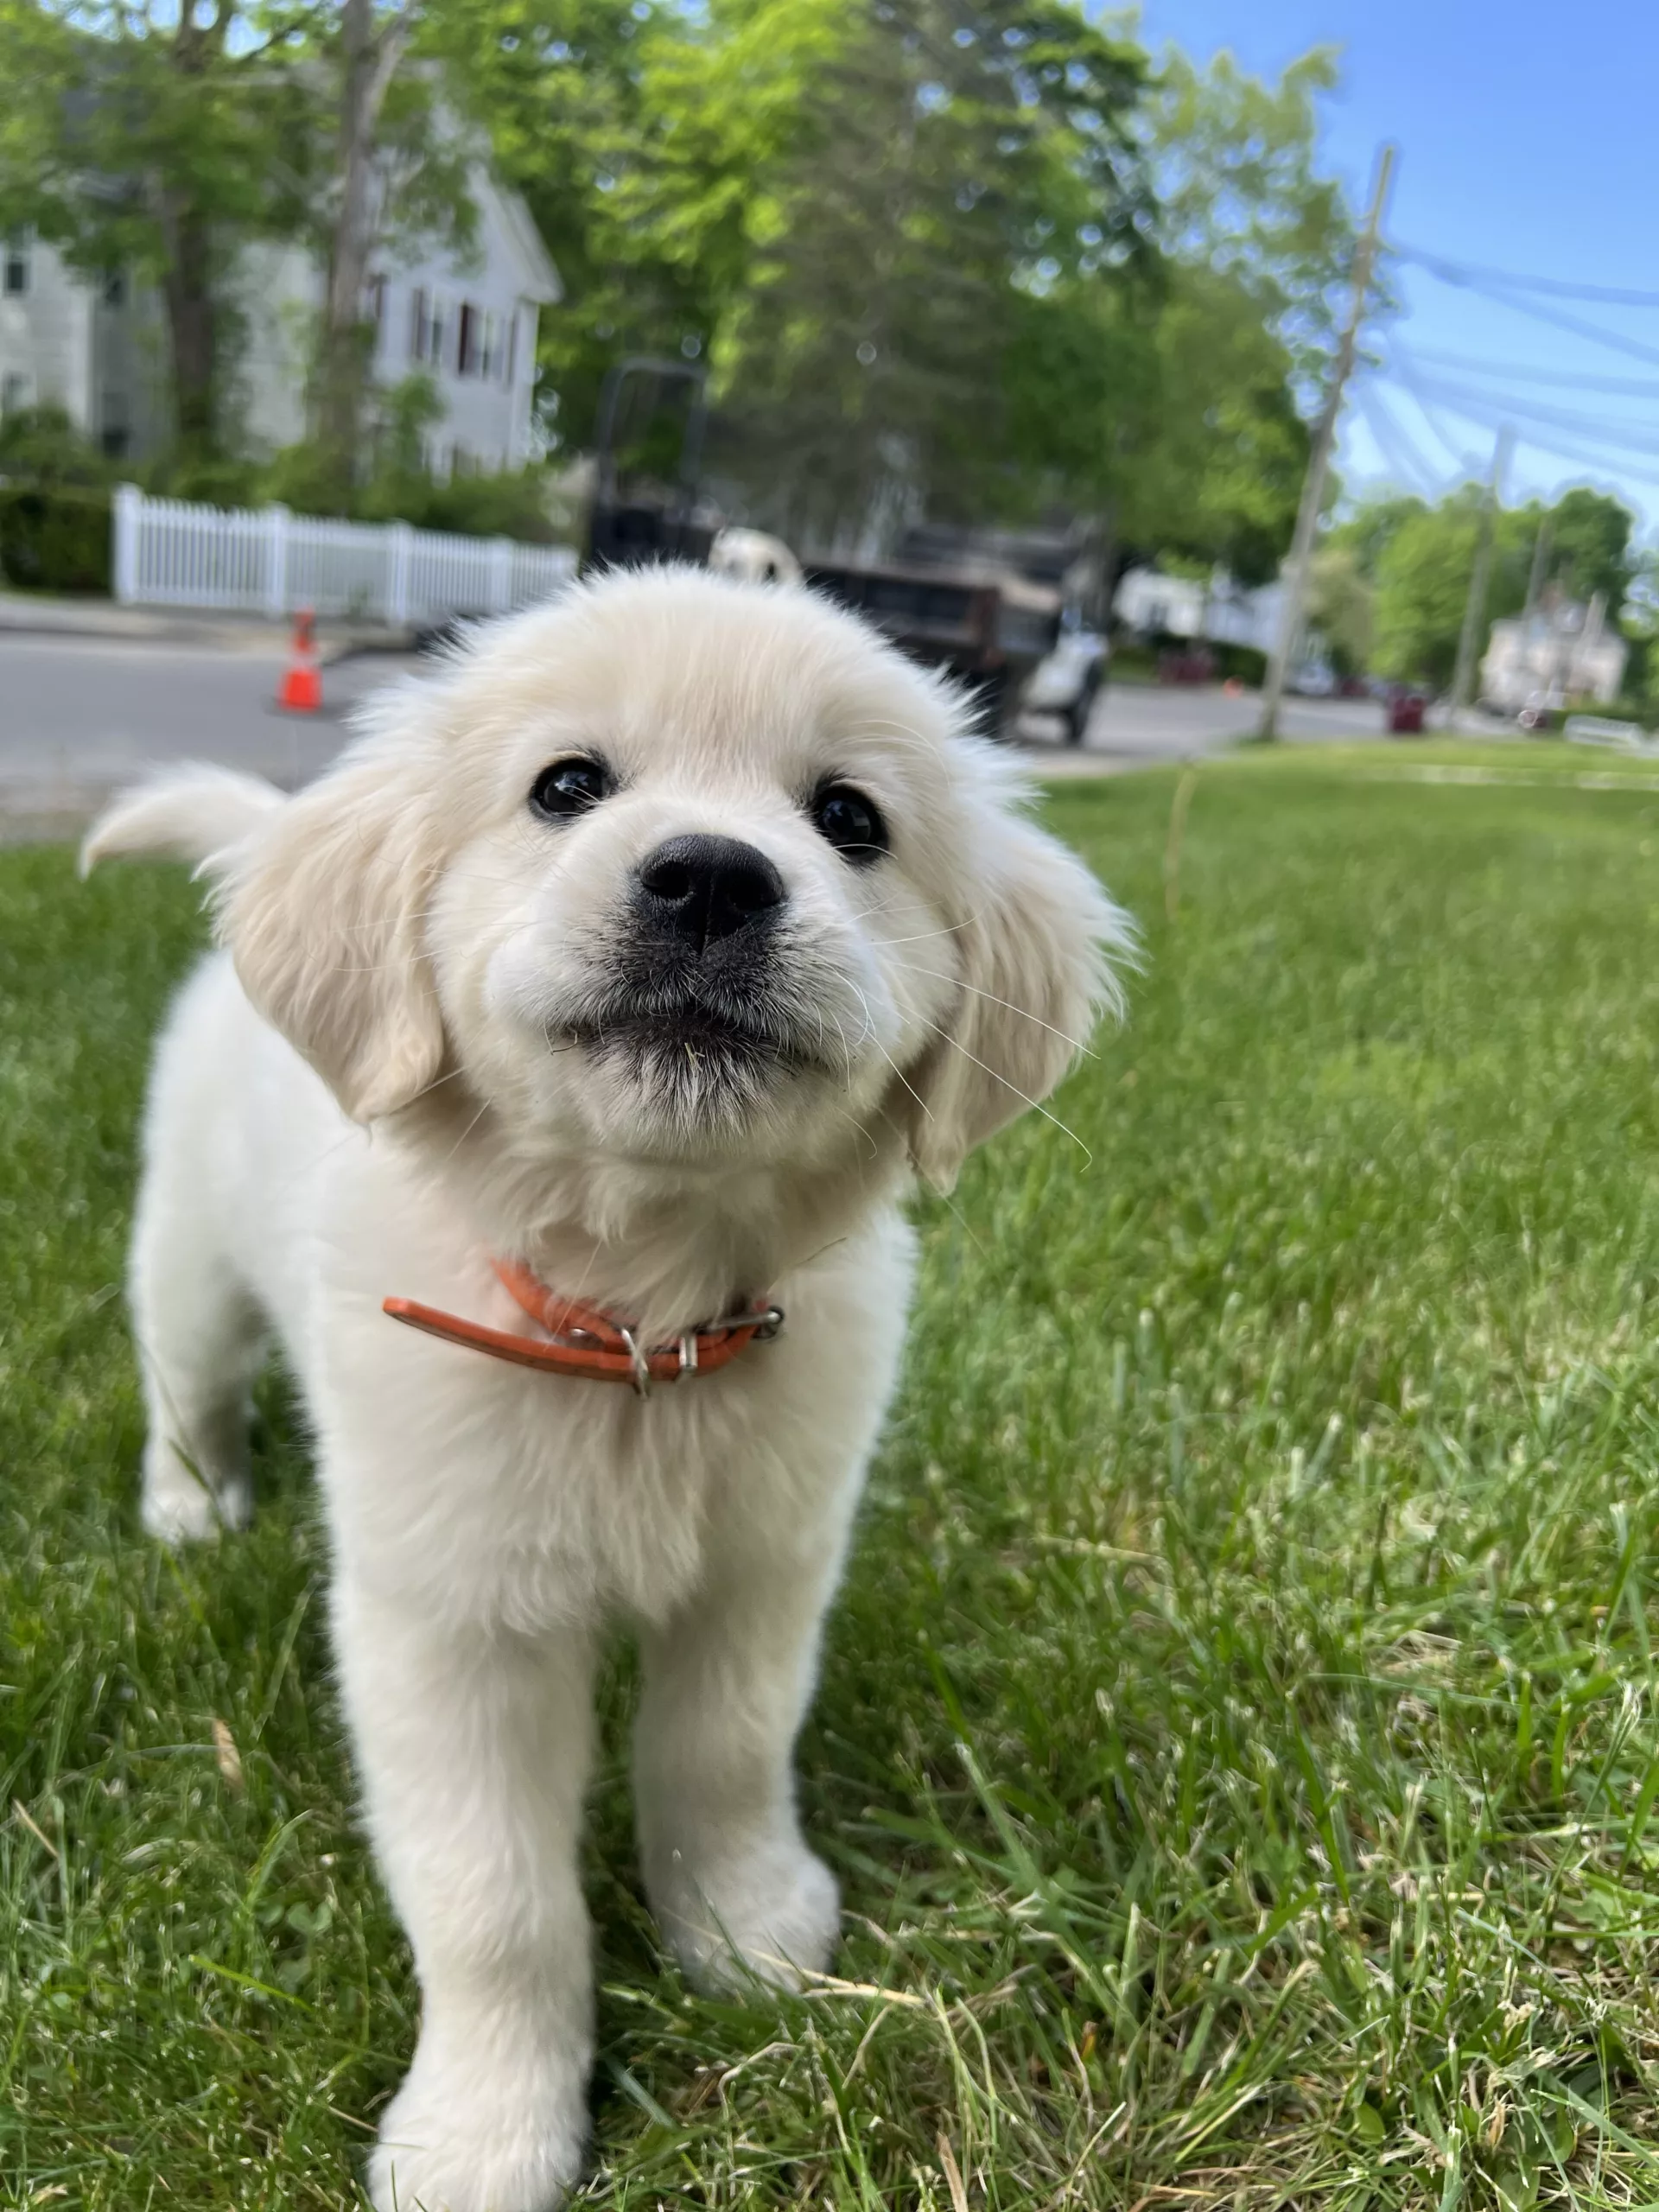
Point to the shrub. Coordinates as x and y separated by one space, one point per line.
205 479
1249 664
511 505
54 537
41 446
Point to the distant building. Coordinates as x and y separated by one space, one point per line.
1221 613
1561 650
97 348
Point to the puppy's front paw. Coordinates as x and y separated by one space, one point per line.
182 1505
459 2146
775 1912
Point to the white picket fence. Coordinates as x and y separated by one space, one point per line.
266 561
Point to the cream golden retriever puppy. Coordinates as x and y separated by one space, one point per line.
593 1011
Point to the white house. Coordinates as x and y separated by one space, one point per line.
469 320
1221 611
80 343
1561 650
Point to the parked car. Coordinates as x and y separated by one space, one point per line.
1406 709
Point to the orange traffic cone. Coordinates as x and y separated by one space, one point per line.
302 686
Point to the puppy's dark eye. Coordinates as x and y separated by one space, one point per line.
852 822
569 787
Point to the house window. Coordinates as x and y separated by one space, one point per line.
428 324
115 288
513 347
17 264
467 342
14 391
374 300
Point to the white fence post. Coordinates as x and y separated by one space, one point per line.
501 575
265 561
276 562
126 510
403 556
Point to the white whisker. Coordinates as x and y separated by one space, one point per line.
1025 1012
1035 1104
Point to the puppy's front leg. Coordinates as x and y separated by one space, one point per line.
727 1683
474 1746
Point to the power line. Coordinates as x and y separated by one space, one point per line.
1460 460
1617 387
1475 278
1631 436
1489 411
1619 471
1610 465
1397 445
1611 339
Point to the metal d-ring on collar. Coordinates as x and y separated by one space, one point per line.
765 1323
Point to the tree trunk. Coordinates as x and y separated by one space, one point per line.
188 287
369 61
193 324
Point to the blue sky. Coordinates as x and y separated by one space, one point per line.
1526 139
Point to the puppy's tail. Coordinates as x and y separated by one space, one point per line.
189 813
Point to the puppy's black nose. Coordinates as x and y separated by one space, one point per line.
701 888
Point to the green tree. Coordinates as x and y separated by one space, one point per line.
1342 607
1368 530
397 173
1422 585
1590 547
846 210
1421 559
962 162
1198 431
1236 160
156 139
635 168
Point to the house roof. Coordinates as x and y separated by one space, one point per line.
541 281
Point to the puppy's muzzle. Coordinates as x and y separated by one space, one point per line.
698 890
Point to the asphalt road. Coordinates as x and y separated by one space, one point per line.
1140 723
78 715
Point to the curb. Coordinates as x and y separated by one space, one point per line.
136 627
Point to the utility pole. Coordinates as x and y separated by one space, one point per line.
1318 461
1474 612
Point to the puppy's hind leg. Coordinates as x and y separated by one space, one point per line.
200 1341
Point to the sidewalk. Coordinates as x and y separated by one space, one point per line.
40 614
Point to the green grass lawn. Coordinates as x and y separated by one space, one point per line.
1237 1736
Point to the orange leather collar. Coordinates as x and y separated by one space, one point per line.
583 1341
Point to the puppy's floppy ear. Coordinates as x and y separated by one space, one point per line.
1033 956
323 915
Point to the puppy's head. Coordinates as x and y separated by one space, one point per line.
680 869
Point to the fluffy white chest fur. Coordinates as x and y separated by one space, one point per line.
492 1495
649 948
